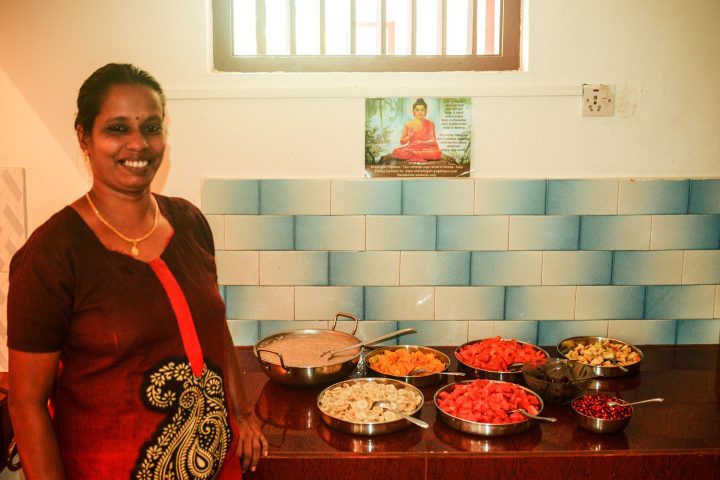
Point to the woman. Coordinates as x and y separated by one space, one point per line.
418 137
121 362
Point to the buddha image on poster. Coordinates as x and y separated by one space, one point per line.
417 136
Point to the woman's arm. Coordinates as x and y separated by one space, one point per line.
252 442
31 377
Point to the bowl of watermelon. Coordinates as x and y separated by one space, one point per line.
487 407
498 358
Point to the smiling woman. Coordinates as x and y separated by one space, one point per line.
131 319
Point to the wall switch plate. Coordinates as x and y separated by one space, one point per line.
598 100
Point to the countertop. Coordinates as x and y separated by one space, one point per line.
677 439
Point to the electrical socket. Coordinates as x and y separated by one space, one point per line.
598 100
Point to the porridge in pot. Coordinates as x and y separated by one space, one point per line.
306 351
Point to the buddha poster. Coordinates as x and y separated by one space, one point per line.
417 136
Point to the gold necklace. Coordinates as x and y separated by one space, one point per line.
134 249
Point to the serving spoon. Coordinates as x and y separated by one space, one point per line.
388 406
530 415
397 333
612 403
420 370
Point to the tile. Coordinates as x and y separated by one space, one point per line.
684 232
238 267
550 332
622 232
13 224
647 268
701 267
293 268
370 329
582 197
434 268
509 197
390 232
321 232
259 232
399 303
576 268
365 268
540 303
322 303
438 197
481 329
716 313
544 232
506 268
472 232
524 331
244 332
469 303
230 196
260 303
272 327
604 302
295 197
680 302
217 227
435 332
643 332
365 197
704 196
697 332
639 197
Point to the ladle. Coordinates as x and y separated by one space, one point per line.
388 406
612 403
397 333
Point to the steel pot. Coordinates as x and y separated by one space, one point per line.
273 363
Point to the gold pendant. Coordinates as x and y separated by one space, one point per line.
134 250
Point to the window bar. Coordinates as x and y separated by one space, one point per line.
353 29
322 27
489 27
442 26
292 34
382 28
413 27
471 29
260 27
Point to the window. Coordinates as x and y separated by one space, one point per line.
344 35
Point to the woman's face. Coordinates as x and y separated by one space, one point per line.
127 141
419 111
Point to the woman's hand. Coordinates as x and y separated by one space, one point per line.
252 443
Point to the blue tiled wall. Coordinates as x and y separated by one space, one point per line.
463 259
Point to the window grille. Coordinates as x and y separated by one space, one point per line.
346 35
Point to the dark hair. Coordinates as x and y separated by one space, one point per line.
420 101
93 91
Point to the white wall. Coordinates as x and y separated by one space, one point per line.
663 56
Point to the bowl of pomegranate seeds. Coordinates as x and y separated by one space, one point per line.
498 358
595 413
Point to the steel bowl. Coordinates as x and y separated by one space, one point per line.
370 428
274 366
569 343
559 380
484 429
601 425
421 380
514 376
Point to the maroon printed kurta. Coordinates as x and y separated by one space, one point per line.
126 404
